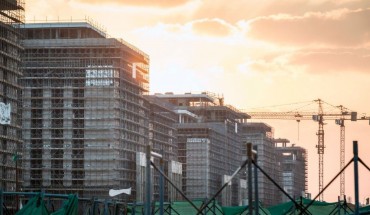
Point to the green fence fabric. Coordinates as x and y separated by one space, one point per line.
281 208
70 206
186 208
181 207
243 210
287 208
365 210
234 210
35 206
316 208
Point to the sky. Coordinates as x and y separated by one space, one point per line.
254 53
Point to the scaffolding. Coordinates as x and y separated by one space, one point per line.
11 18
294 168
84 115
209 144
261 136
163 140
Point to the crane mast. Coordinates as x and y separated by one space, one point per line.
320 147
342 151
342 159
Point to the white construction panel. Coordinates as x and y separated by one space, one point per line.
5 110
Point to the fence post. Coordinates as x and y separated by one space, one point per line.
106 209
355 167
339 205
256 201
148 182
161 185
250 190
133 209
1 201
93 205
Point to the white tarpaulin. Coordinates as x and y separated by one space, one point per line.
176 167
4 113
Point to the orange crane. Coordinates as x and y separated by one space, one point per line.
340 115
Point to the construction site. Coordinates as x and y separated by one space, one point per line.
77 122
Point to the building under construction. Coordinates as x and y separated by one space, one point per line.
209 145
261 136
294 168
84 115
163 141
11 18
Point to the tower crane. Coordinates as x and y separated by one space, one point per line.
340 122
320 116
342 151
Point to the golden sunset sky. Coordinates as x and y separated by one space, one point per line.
255 53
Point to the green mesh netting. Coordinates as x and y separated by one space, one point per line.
35 206
243 210
316 207
70 206
365 210
234 210
182 208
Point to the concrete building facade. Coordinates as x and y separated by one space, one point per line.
261 136
84 115
294 168
11 18
209 144
163 141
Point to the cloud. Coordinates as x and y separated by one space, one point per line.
313 61
141 3
336 28
326 61
249 9
214 27
206 31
